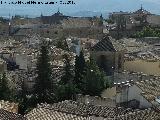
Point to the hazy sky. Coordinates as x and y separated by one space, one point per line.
81 5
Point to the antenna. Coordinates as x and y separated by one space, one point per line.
58 10
141 7
9 29
41 14
9 19
9 16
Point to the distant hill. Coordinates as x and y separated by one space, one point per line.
87 14
74 14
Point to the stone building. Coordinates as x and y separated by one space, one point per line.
107 56
141 94
138 17
54 19
127 23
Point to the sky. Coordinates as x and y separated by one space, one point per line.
104 6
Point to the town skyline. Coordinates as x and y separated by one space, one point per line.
102 6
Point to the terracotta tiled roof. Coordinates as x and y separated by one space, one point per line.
5 115
150 90
104 45
68 110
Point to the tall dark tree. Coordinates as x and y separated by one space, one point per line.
25 103
43 84
67 89
5 92
62 43
80 68
4 89
67 92
95 80
21 98
68 75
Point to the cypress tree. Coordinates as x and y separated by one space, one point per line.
5 92
62 43
22 99
80 68
43 87
95 81
68 76
66 89
66 92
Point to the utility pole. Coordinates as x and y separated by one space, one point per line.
9 29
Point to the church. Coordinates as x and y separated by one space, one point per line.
54 19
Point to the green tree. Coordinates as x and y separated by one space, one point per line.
26 102
80 70
5 92
66 89
95 80
67 92
43 84
62 43
68 75
22 106
109 21
148 32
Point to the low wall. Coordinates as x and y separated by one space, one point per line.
132 76
95 100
